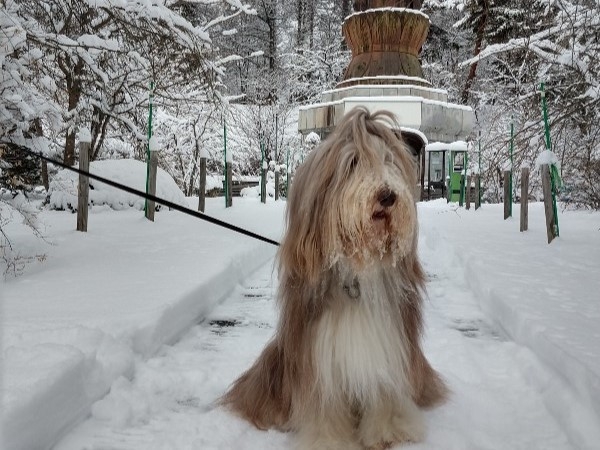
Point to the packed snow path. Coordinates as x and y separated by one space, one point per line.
497 397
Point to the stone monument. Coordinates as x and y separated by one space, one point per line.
385 38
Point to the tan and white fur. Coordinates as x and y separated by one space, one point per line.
345 369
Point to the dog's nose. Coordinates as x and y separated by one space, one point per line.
386 197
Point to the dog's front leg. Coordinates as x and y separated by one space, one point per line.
390 421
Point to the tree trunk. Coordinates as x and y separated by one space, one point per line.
99 126
478 44
271 21
300 14
311 23
345 8
37 129
73 82
270 10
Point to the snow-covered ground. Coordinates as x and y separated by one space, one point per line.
80 316
132 330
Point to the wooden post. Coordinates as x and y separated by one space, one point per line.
83 189
506 194
444 181
152 181
477 193
548 208
263 183
468 193
229 181
276 182
524 199
202 189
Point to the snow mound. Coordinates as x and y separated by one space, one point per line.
130 172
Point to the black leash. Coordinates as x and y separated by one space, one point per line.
153 198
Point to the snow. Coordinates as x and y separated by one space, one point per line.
85 135
130 172
393 78
389 9
119 337
458 146
105 299
312 138
229 58
436 147
546 157
399 99
416 132
384 86
154 144
543 297
454 146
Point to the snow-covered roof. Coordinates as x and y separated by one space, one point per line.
441 146
415 131
407 10
386 86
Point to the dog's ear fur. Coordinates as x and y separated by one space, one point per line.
304 248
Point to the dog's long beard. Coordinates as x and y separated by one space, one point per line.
369 234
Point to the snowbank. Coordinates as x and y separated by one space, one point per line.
104 299
542 296
130 172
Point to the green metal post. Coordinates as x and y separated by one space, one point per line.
450 162
465 190
150 101
553 171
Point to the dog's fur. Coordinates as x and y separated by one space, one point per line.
345 369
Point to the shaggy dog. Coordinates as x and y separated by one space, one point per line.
345 369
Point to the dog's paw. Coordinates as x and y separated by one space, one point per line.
380 431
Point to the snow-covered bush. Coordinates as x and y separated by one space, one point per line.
18 217
62 194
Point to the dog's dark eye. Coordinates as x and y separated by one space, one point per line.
353 163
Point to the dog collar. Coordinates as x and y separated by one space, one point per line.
352 289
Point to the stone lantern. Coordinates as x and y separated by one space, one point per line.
385 38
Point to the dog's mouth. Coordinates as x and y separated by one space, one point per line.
379 215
